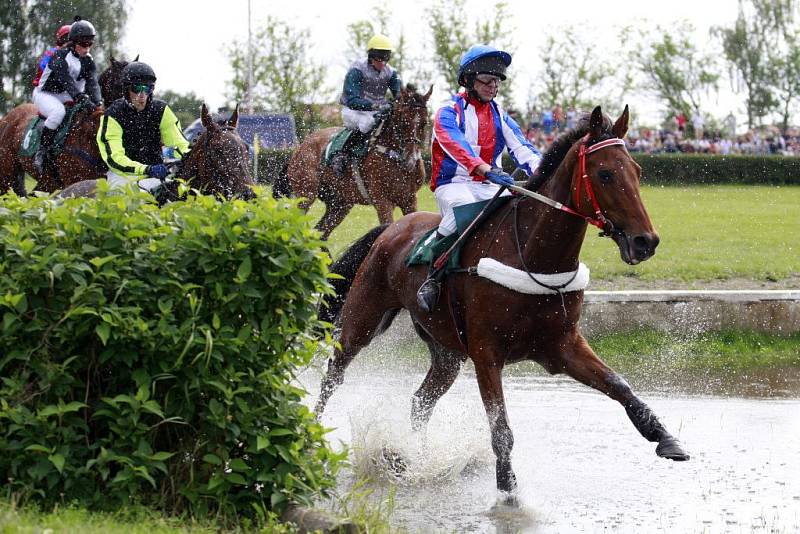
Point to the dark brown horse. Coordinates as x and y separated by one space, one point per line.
589 172
110 80
218 164
389 175
79 159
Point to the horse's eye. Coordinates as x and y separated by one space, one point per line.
606 176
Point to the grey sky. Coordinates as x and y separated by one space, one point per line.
185 40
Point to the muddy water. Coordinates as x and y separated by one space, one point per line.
580 464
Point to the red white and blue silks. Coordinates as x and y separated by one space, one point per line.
467 132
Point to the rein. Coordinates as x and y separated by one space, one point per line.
401 155
599 220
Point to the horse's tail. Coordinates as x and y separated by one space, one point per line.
347 266
280 184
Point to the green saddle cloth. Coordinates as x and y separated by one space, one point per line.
337 144
33 134
424 252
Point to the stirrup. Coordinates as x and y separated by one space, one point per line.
428 294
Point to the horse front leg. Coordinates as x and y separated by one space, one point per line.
385 211
582 364
490 383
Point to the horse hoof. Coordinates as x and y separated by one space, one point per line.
671 448
394 461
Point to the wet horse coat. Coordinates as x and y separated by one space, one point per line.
499 325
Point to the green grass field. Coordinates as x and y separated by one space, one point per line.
707 233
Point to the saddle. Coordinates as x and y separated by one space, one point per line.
427 249
355 144
33 133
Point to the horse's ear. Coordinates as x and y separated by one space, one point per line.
233 122
136 58
429 93
113 61
620 127
205 118
596 122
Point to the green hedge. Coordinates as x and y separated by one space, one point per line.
656 168
715 169
148 355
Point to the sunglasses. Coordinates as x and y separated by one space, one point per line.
488 80
145 88
84 44
381 57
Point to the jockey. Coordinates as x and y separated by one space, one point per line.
69 76
133 130
62 37
469 136
364 93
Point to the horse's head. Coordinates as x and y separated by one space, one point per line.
219 163
606 184
593 174
110 80
407 121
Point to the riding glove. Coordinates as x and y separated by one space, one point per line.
158 170
81 99
497 176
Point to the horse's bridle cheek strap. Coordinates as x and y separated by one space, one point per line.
583 182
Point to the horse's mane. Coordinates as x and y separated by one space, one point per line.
554 155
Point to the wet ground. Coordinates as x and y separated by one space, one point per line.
580 464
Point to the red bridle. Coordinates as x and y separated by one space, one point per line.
599 220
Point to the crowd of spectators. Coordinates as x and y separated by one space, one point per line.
686 135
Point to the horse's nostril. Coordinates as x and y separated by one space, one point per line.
645 245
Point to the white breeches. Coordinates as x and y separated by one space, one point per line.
51 105
455 194
354 119
116 181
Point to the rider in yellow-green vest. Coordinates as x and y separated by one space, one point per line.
134 129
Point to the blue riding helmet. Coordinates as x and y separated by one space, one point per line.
483 59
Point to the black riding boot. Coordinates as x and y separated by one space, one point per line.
428 292
339 162
45 144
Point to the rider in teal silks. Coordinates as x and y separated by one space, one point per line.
363 98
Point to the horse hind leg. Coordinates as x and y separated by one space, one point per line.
444 369
583 365
333 217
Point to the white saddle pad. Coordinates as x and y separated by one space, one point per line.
519 281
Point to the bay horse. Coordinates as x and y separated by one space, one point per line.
218 164
593 179
389 175
79 158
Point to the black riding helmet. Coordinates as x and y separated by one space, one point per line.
138 72
81 30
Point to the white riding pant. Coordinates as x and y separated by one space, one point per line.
51 105
355 119
116 181
455 194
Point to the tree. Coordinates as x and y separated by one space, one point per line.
285 78
749 46
675 70
185 105
574 77
28 27
450 40
786 75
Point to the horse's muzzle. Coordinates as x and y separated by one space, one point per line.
636 249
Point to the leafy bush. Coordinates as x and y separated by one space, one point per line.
715 169
148 354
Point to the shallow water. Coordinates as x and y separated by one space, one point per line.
580 464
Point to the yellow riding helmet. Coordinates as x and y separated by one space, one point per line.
380 42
